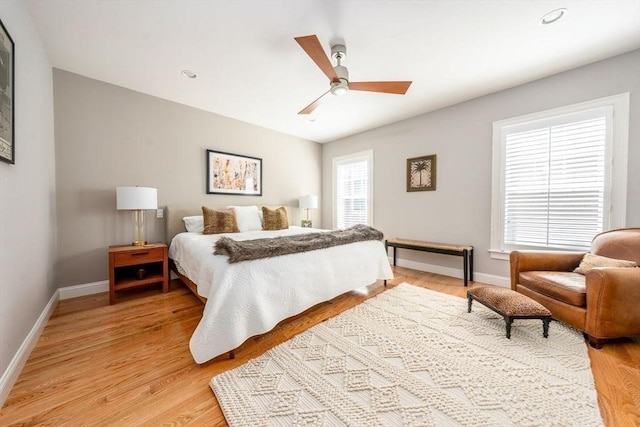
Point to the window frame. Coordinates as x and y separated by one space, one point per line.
352 158
615 168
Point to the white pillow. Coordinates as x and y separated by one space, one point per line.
248 218
590 261
194 224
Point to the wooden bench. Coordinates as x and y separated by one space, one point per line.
466 252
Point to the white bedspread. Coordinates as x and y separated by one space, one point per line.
249 298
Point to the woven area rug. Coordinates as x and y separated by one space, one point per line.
415 357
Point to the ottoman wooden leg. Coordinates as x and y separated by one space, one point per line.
508 321
469 301
545 326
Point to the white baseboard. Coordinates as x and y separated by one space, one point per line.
491 279
84 289
12 372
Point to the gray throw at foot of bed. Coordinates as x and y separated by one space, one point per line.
275 246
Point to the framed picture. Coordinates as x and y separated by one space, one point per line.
7 138
421 173
233 174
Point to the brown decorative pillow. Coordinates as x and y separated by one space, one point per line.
590 261
274 219
219 221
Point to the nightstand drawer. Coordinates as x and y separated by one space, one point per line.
139 256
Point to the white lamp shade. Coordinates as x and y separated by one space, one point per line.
134 198
308 202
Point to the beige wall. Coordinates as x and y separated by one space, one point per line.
27 195
108 136
461 136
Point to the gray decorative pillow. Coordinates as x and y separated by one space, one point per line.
275 219
219 221
590 261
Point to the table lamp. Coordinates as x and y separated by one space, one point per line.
137 199
306 203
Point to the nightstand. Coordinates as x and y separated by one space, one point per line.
134 266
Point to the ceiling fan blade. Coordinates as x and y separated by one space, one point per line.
399 88
314 49
309 108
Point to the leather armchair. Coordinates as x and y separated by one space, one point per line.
604 303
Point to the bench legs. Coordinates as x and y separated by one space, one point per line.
471 265
467 258
465 266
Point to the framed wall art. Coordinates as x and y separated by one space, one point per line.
421 173
7 137
233 174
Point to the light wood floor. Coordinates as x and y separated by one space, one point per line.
129 364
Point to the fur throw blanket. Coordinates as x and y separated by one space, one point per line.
275 246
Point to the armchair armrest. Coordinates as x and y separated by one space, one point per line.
613 301
541 261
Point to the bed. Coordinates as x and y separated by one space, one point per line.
249 298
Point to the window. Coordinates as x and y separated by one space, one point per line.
554 184
352 189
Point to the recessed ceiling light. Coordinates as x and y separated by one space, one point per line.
188 73
553 16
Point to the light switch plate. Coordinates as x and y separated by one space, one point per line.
159 213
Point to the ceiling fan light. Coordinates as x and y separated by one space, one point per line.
339 88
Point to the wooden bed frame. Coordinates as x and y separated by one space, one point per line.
188 283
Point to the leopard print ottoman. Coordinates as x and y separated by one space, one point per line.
510 305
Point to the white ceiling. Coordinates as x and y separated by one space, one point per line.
250 68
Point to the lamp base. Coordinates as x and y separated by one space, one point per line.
306 223
141 228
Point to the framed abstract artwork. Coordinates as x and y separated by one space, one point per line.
7 137
233 174
421 173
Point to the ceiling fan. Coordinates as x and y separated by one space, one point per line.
339 75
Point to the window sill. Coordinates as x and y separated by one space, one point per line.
498 254
504 255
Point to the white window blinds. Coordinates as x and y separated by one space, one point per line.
352 190
555 178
